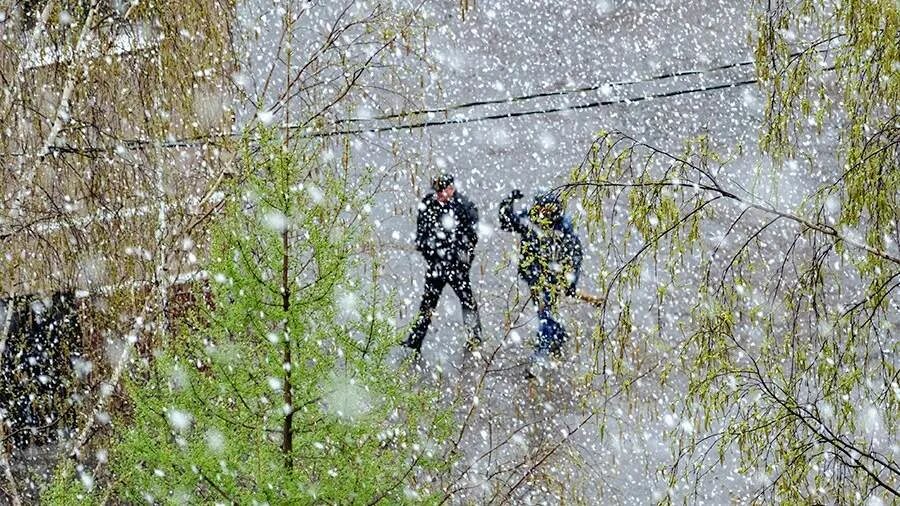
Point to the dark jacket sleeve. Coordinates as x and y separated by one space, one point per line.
424 227
509 220
470 223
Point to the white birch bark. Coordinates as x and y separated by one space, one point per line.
13 491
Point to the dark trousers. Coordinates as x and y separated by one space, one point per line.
436 277
551 334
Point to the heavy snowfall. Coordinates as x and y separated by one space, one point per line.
450 252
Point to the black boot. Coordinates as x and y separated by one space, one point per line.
413 342
472 323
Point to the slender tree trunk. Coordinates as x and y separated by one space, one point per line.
26 172
162 276
30 44
13 491
287 443
62 110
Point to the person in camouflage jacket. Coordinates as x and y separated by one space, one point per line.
550 257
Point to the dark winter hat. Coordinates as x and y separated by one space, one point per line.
548 200
546 208
441 182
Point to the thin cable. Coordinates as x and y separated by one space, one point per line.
205 139
588 105
585 89
520 98
183 143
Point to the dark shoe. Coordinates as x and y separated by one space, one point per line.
536 369
535 375
412 343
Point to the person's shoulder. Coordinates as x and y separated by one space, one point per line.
566 224
427 201
463 200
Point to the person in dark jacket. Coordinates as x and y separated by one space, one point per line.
549 262
446 235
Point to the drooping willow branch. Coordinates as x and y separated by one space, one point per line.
713 187
618 167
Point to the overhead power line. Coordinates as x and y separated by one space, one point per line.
196 141
518 114
550 110
556 93
205 139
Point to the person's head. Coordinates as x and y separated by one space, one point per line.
443 187
546 210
